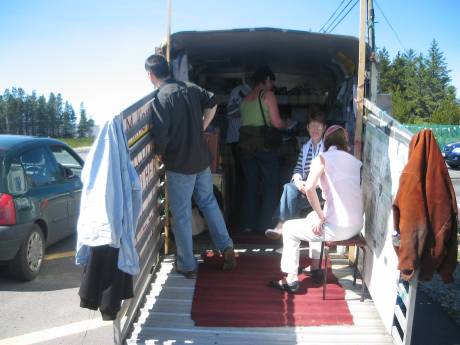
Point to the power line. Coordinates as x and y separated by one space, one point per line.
391 27
332 15
356 2
337 16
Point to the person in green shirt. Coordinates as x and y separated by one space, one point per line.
259 164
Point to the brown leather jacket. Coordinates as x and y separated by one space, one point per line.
425 212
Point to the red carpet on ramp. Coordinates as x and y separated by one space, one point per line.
241 298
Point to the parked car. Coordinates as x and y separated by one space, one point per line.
40 191
451 154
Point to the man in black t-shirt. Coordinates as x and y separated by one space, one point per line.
180 114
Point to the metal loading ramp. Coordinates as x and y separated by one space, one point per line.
165 318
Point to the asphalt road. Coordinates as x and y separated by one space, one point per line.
455 177
47 309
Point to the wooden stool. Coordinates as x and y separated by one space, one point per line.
357 241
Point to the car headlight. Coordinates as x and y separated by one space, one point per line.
456 150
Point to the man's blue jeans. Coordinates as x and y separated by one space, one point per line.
181 188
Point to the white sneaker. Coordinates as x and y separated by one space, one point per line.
274 234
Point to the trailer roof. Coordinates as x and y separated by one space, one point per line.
286 51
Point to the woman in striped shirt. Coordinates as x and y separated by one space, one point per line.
293 199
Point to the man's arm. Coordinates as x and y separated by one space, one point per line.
208 115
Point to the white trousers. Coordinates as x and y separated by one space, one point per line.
297 230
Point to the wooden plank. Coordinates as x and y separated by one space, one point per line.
396 337
361 79
410 309
403 294
400 317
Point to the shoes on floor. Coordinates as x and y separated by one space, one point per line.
187 274
317 276
274 234
229 259
305 270
285 286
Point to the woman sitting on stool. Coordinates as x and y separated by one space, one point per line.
338 175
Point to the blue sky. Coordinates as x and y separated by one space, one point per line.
93 51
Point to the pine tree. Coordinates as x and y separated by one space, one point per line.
90 128
83 123
59 117
420 86
437 71
12 123
2 114
42 117
384 65
31 114
68 121
52 115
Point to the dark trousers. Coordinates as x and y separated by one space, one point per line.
260 189
235 183
103 285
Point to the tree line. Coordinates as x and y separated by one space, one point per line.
420 86
35 115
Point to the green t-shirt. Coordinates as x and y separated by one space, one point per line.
251 114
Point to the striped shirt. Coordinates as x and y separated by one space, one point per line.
305 170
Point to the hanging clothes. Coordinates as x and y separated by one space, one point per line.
425 213
103 284
111 199
110 207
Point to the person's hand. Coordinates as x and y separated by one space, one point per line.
303 190
290 124
318 228
299 184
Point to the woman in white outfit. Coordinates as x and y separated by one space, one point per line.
338 174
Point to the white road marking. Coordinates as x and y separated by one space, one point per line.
56 332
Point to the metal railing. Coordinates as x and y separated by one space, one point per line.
379 190
149 233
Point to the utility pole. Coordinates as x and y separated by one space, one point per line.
167 226
361 79
374 77
168 32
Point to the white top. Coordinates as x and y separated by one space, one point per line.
341 187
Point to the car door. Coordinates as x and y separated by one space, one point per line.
71 165
45 190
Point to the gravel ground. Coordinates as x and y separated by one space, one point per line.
446 295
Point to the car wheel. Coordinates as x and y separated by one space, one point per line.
28 261
453 166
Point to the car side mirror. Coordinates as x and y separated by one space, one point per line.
67 172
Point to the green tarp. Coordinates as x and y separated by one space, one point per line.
444 134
